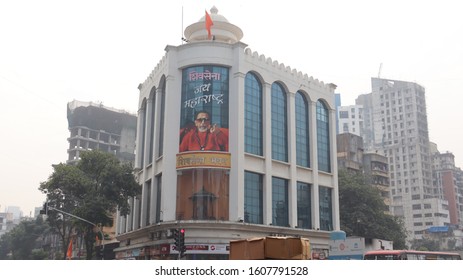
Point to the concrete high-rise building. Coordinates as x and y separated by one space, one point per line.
396 125
231 144
93 126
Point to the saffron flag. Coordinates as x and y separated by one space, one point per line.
209 23
69 252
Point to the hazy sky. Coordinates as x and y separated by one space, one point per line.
52 52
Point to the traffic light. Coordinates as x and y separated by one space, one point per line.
175 233
181 238
44 210
181 247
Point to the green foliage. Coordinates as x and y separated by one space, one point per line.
362 211
92 190
425 244
5 246
22 242
39 254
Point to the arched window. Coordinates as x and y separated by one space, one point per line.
253 115
302 131
161 122
152 99
279 124
323 137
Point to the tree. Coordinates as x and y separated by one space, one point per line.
21 243
93 190
425 244
362 208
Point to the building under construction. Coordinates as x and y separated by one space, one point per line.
94 126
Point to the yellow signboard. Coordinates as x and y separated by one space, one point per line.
203 159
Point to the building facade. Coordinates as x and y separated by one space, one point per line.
350 152
350 119
447 180
230 145
93 126
376 166
396 126
6 222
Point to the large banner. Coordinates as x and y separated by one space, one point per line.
204 113
203 161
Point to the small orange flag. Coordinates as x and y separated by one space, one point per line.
209 23
69 253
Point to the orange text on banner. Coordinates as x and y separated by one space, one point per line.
203 160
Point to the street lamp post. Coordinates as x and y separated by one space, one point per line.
82 219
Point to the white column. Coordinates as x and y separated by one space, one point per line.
292 184
236 185
147 143
267 142
148 128
334 171
129 224
314 164
140 121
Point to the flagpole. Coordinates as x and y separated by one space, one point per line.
181 31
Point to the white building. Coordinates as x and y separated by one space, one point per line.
350 119
271 169
17 213
396 126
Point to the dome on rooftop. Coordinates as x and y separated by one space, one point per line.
222 30
214 16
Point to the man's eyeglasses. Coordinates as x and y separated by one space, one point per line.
202 120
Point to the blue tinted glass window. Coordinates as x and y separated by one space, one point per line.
253 210
323 138
280 202
304 213
253 115
326 216
161 122
153 110
279 124
302 131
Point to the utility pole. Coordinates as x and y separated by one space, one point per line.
48 207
